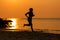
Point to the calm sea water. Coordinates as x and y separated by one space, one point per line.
51 25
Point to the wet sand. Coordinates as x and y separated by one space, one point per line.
26 35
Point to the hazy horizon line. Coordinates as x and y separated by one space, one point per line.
42 18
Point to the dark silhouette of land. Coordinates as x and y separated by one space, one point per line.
26 35
29 16
4 23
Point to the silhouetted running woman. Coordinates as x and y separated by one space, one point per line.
29 16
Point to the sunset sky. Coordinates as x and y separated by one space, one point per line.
18 8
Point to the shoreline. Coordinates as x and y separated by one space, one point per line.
26 35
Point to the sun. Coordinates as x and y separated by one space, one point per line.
13 23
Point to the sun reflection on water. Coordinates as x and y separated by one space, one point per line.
16 25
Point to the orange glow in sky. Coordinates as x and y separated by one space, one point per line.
18 8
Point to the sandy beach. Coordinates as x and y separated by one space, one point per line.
26 35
